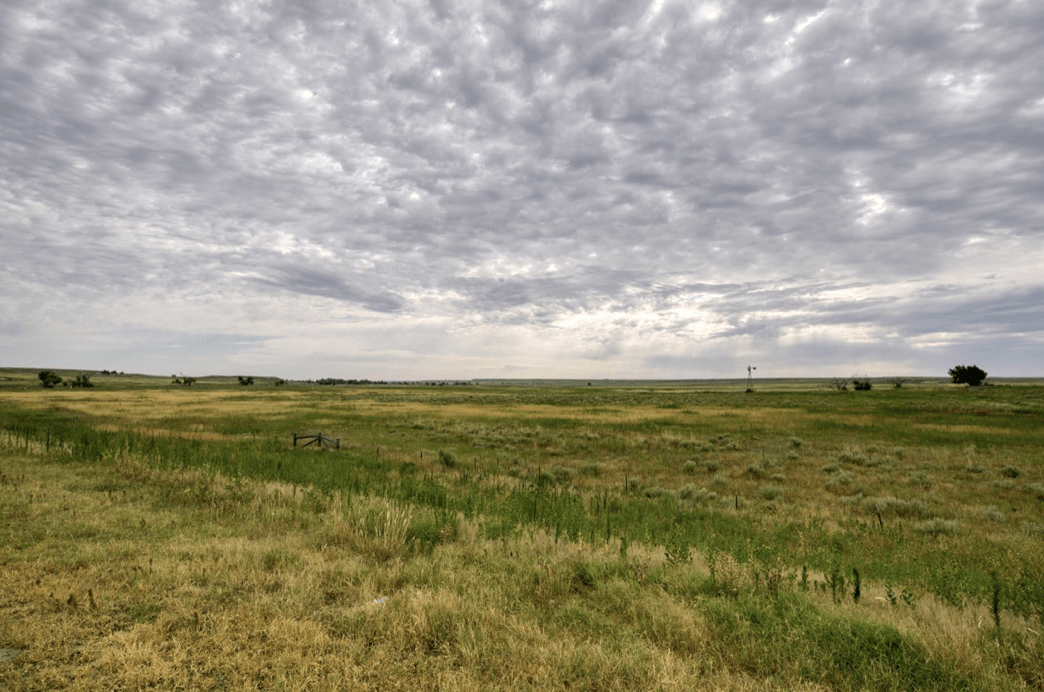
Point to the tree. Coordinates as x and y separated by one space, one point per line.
971 375
49 379
862 384
83 380
245 380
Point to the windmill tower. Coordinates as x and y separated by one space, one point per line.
750 377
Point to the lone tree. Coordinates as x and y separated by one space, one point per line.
246 380
971 375
48 379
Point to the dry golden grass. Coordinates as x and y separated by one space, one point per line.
137 406
116 579
120 592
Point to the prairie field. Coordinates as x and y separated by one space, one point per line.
499 535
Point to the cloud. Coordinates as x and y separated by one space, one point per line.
318 282
736 173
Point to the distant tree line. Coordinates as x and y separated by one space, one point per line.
49 380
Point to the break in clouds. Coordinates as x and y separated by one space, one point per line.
521 189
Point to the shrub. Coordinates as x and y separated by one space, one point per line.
562 473
756 471
592 468
447 458
1011 472
856 457
690 466
840 479
919 478
936 527
771 492
901 508
993 513
1031 529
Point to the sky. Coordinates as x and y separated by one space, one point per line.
517 189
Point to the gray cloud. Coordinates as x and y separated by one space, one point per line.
761 175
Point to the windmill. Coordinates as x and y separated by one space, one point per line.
750 377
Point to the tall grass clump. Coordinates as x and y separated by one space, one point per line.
376 528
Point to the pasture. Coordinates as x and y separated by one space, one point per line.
498 536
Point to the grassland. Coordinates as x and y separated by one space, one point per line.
521 537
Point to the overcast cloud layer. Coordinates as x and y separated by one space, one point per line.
459 189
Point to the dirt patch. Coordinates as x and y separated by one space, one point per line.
8 655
